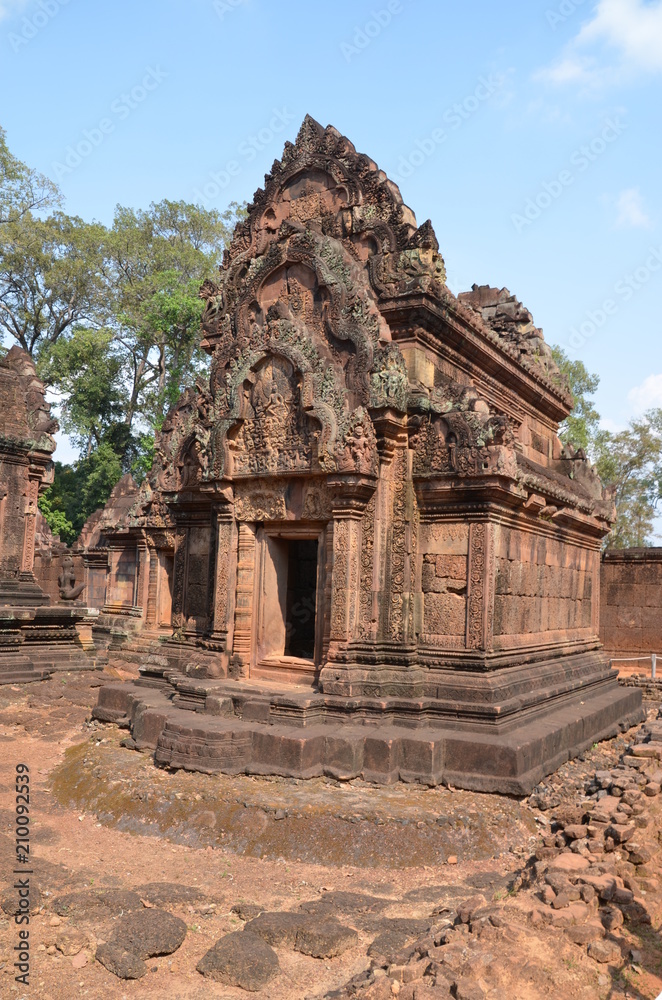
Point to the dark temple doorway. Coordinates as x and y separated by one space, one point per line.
301 598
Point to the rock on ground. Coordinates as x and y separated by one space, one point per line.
122 963
325 939
150 932
240 959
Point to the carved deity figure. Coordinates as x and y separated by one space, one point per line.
67 581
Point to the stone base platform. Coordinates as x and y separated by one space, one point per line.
36 641
233 727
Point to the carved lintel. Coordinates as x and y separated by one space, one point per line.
391 432
350 493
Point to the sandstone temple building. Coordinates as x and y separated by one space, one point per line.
36 635
362 542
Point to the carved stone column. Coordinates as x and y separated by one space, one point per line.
327 592
179 578
30 520
226 576
243 619
152 588
346 568
480 609
142 577
352 493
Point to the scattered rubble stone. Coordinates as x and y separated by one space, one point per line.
325 939
277 928
150 932
604 952
247 911
71 940
168 893
588 879
96 903
240 959
10 902
122 963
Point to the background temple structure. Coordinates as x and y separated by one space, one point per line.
36 636
381 559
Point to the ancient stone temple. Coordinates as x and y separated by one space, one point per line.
385 563
36 637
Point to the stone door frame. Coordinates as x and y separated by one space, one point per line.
280 667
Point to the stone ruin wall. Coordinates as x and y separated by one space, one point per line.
631 605
543 586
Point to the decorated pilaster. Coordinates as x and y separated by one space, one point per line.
243 621
226 576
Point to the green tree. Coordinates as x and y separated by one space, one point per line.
80 489
629 462
583 423
155 262
630 466
112 319
56 518
22 189
50 278
87 372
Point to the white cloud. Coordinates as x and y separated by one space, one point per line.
632 26
647 395
9 7
623 38
631 212
613 426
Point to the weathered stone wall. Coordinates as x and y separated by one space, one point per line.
543 585
445 551
631 602
26 446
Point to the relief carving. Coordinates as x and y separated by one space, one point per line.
477 570
274 436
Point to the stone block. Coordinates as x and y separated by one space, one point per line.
452 566
445 614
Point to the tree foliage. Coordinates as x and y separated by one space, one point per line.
22 189
50 279
155 262
583 423
629 462
630 466
111 316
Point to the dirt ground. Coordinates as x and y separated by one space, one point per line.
103 817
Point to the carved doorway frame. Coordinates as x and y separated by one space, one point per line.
279 667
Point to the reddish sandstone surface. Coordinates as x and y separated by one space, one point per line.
564 912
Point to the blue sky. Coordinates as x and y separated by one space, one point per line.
529 132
